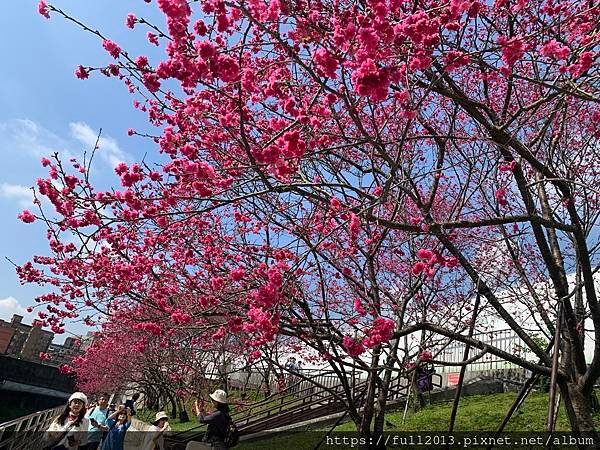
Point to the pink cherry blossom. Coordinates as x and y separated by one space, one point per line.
112 48
130 21
43 9
82 73
353 347
26 216
555 50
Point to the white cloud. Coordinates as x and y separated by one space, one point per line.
10 306
27 136
22 194
108 149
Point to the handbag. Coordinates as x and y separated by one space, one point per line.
62 436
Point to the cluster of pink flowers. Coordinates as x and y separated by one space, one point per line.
327 65
372 81
358 307
429 260
354 227
129 176
66 370
508 166
282 155
151 81
112 48
219 334
237 274
513 49
262 324
455 59
586 59
43 9
82 73
555 50
150 327
425 356
26 216
354 347
152 38
381 332
501 196
130 21
253 356
180 318
178 15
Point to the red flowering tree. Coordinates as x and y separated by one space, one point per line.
345 173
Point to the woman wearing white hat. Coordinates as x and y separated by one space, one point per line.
154 439
217 422
69 430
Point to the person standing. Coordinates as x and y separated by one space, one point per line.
69 431
292 368
98 416
118 423
217 421
154 439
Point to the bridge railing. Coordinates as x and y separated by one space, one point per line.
506 340
27 432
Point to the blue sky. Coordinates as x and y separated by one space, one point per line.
46 109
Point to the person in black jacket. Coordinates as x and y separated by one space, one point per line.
217 421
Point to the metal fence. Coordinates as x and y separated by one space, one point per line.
505 340
27 432
277 382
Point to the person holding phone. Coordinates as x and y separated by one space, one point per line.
217 421
69 430
154 439
98 415
118 423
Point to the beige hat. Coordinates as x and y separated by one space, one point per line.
219 396
160 415
78 396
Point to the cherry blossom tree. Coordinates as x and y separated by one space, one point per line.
345 174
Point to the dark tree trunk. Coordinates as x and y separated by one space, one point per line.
418 397
382 398
581 416
364 428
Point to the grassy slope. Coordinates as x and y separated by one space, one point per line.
476 413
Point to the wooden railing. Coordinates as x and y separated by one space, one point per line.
27 433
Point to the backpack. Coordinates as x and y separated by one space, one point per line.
232 434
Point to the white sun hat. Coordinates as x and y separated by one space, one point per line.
219 396
160 415
78 396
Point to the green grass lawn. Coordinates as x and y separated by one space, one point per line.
475 413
